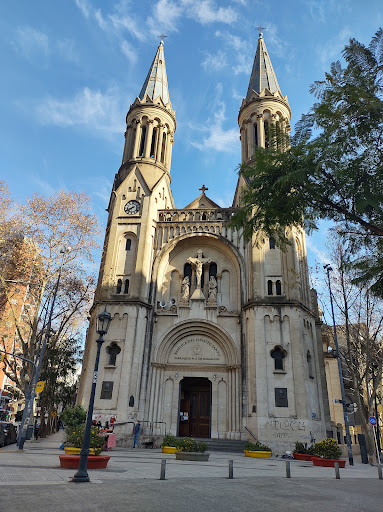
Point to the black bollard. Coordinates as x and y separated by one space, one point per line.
231 469
163 469
337 473
288 469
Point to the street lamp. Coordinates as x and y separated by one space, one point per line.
102 325
329 269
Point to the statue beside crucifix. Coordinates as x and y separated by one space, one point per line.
198 264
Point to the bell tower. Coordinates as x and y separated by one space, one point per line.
263 106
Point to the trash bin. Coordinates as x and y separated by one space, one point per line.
29 435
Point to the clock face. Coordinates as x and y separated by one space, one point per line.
132 207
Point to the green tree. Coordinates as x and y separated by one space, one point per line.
333 168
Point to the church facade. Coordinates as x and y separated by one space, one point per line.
211 337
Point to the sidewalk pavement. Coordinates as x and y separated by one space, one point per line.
31 480
38 464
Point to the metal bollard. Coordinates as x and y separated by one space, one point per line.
231 469
337 473
163 469
380 475
288 469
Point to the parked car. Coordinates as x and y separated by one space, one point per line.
10 433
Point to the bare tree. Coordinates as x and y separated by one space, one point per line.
360 335
34 246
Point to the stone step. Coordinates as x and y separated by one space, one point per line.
224 445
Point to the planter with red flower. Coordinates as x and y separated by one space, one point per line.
328 453
73 443
301 452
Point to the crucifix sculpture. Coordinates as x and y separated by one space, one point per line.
198 263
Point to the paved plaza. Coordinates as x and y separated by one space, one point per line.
32 480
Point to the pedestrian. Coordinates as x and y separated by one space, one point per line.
36 430
136 432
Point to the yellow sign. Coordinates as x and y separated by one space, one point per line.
54 414
2 357
40 386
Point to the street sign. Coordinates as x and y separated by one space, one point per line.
373 421
54 414
40 386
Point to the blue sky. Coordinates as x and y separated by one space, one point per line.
71 69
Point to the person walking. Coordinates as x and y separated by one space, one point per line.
136 432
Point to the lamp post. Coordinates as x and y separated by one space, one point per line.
102 326
328 269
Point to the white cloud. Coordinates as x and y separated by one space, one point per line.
206 11
128 51
88 108
166 15
217 137
332 48
67 50
242 57
33 44
30 42
322 10
84 7
214 62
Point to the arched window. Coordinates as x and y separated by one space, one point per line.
126 286
113 350
310 364
203 216
278 287
119 286
255 134
266 126
278 355
213 270
153 144
269 287
128 244
271 243
188 271
163 148
142 142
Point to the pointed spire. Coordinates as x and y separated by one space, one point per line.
262 76
156 83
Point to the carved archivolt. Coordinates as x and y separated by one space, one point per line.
197 342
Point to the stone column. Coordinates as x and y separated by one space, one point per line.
261 130
169 150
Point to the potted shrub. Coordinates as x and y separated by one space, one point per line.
303 453
328 452
169 444
72 447
257 450
190 449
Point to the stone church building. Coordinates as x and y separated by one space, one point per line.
210 336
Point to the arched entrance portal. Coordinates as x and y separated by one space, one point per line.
195 407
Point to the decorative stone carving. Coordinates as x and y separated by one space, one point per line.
212 298
185 291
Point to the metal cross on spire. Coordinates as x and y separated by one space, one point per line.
162 36
203 188
260 28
